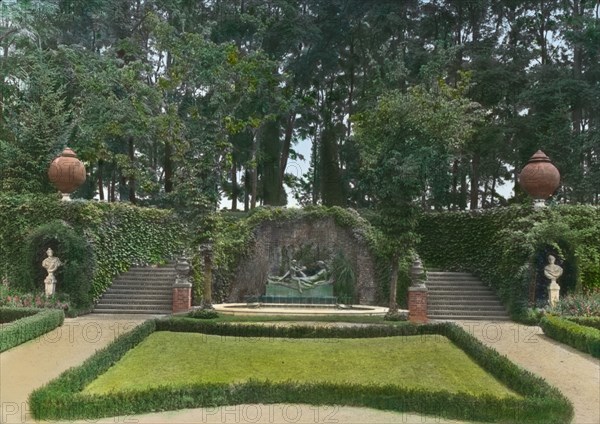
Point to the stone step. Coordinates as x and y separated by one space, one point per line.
126 291
453 281
149 279
149 296
463 301
465 308
135 301
142 289
141 285
450 276
132 311
460 295
470 317
466 312
468 291
121 306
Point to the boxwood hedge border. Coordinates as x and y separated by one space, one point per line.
27 324
578 333
63 399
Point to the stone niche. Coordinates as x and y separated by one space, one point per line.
277 242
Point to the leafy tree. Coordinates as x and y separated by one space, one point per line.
404 142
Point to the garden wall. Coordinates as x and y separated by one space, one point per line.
508 247
97 240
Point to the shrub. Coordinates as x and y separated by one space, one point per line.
579 304
61 398
583 338
203 314
593 322
30 326
13 314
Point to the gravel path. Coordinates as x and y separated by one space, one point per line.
575 374
34 363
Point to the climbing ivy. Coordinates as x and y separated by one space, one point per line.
97 240
508 247
233 237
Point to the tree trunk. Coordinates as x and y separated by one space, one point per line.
270 161
247 189
332 193
132 197
475 181
234 186
168 164
285 149
100 180
454 200
254 176
393 308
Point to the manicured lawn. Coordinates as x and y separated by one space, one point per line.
177 359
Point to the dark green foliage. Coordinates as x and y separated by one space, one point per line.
96 240
582 337
593 322
344 279
13 314
508 247
28 324
61 398
203 314
74 276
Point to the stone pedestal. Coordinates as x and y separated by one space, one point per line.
182 297
417 304
553 293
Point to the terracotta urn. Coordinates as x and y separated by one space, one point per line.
539 178
67 173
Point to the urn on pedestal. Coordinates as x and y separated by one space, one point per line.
67 173
539 178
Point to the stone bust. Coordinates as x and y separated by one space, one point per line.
51 263
552 271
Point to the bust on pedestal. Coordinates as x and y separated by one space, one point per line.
553 272
51 263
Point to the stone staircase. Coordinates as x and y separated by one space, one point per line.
141 290
461 296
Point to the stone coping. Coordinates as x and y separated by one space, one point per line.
292 309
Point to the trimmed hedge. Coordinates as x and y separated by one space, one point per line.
13 314
593 322
62 398
581 337
27 324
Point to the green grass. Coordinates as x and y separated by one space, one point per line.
179 359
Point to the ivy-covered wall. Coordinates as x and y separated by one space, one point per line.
508 247
97 240
234 239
